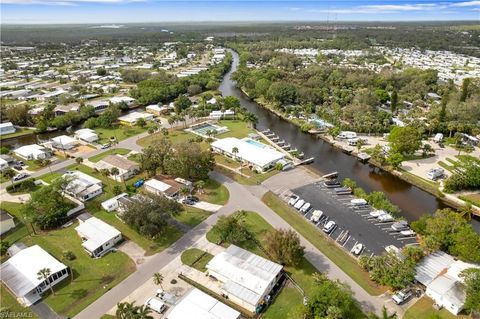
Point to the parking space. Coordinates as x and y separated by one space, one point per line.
354 224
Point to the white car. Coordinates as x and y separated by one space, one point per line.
293 200
329 226
156 305
20 176
377 213
299 204
357 249
407 233
305 208
316 215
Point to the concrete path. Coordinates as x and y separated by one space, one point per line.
240 198
42 310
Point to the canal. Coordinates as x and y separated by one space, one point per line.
412 200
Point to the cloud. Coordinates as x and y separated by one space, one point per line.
466 4
398 8
64 2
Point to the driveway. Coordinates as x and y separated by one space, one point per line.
207 206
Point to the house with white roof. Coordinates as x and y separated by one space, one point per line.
87 135
3 164
7 128
440 274
114 203
82 186
6 222
20 274
199 305
157 110
246 278
131 119
32 152
159 185
259 156
98 237
64 142
122 99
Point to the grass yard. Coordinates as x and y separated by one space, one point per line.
19 132
253 179
150 246
427 185
49 177
135 157
10 305
174 135
423 309
196 258
20 230
237 128
472 199
214 193
290 296
113 151
192 216
326 246
92 277
120 133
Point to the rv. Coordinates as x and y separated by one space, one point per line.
347 135
316 215
438 138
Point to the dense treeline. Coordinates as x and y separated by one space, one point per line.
163 87
351 98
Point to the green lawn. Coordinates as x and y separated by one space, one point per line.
429 186
119 132
324 244
10 304
192 216
214 193
237 128
423 309
20 230
253 179
290 296
92 277
196 258
19 132
49 177
472 199
113 151
135 157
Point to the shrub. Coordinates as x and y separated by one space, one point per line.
23 186
3 247
69 255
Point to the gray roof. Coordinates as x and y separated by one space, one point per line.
432 266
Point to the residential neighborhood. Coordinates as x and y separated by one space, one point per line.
286 170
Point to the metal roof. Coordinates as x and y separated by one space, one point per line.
431 266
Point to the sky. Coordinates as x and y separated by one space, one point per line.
131 11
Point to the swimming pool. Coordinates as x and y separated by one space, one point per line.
255 143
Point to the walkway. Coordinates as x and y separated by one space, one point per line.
241 198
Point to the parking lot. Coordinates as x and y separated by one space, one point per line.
354 225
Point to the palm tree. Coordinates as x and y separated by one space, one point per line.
200 185
184 191
9 173
158 279
250 118
44 274
235 151
164 131
79 160
128 310
114 172
105 172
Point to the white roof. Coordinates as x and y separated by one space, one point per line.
19 273
119 99
6 124
248 275
64 140
28 150
97 233
81 182
197 304
84 131
249 152
431 266
134 116
158 185
450 289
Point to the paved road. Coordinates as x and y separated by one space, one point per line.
241 197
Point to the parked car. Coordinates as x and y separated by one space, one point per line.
316 215
299 204
293 200
377 213
329 226
194 199
401 225
435 173
358 202
156 305
385 218
402 296
187 201
17 167
20 176
105 146
357 249
305 208
407 233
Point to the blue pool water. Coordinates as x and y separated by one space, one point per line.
255 143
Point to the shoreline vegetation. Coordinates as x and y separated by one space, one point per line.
412 180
